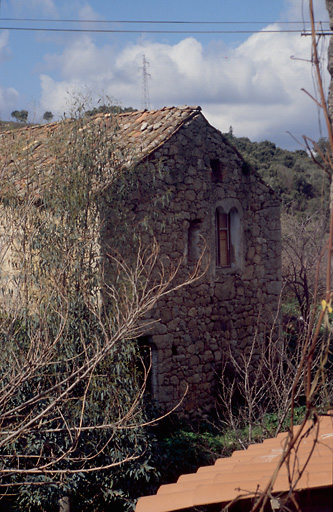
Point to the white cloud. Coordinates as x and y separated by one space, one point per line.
86 12
43 7
272 102
298 9
255 87
82 60
8 96
4 47
8 101
59 97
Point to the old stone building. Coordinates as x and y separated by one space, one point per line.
209 199
214 198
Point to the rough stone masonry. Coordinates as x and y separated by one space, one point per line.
235 301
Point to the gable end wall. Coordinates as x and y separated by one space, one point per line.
228 307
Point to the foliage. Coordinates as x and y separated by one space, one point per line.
58 278
108 109
108 393
20 115
256 383
71 392
47 116
179 448
294 175
304 189
302 238
311 378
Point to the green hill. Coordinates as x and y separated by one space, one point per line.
301 183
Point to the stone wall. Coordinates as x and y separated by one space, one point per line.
228 307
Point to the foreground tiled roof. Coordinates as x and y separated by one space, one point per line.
247 472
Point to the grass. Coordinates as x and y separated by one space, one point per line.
180 449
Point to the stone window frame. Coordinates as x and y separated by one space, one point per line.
233 209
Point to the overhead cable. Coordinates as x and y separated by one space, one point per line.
157 22
123 31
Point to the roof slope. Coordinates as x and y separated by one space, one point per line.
29 156
146 130
247 472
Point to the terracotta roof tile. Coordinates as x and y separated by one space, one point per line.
248 471
134 136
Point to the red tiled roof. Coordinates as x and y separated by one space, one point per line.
247 472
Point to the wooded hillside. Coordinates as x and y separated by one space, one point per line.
300 182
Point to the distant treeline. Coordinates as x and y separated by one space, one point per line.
109 109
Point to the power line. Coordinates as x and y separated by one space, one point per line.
123 31
161 21
159 30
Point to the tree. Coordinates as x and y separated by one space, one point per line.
302 237
317 338
71 386
108 109
311 376
20 115
256 389
294 175
47 116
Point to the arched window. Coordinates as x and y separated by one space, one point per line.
228 235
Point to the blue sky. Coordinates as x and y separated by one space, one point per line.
247 81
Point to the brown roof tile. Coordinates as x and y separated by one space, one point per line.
247 472
134 134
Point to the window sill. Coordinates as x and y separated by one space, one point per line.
221 272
